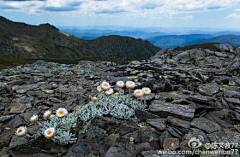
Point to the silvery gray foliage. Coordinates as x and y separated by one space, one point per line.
120 106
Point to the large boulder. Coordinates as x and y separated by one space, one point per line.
223 47
237 52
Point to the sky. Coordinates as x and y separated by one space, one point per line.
221 14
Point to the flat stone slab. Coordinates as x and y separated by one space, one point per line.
165 109
178 122
158 123
202 99
117 152
208 89
25 88
205 124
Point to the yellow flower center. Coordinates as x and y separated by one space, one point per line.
20 130
130 83
138 92
49 132
61 112
146 90
105 85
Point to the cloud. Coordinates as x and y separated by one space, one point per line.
187 17
154 9
237 10
59 9
111 11
233 16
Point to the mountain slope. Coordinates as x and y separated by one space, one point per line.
47 42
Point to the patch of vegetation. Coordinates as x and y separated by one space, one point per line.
7 62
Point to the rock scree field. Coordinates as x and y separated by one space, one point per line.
51 109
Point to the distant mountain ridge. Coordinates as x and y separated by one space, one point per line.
173 41
46 41
223 39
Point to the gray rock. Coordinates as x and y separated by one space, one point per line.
181 56
163 136
6 117
25 88
95 134
237 127
21 104
18 108
165 109
217 137
208 89
223 47
1 106
117 152
144 115
178 122
158 123
171 144
32 129
15 122
205 124
142 147
143 135
82 148
202 99
17 141
233 100
175 132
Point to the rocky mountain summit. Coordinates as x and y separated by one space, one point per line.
195 93
45 41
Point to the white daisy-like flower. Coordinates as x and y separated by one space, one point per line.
138 93
61 112
120 84
94 99
105 86
130 84
49 133
146 90
34 119
47 114
21 131
109 92
99 89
